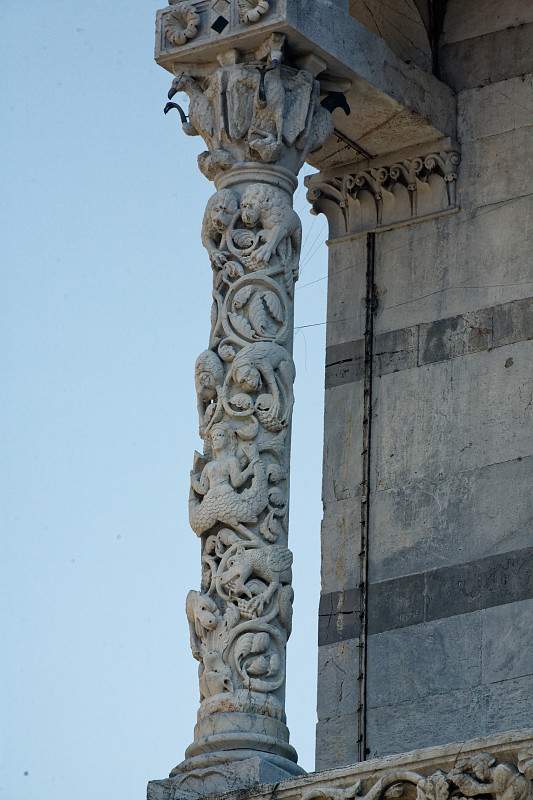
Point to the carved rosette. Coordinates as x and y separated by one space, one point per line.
259 119
252 10
182 23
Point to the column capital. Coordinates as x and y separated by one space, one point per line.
252 109
394 103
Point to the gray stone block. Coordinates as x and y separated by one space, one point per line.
396 350
337 679
451 416
428 343
513 322
482 184
336 742
341 545
494 109
346 292
396 603
424 660
476 261
222 776
434 719
422 525
455 336
507 644
491 581
342 474
483 17
345 363
488 59
508 705
450 591
339 616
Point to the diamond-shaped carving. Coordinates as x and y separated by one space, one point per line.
220 23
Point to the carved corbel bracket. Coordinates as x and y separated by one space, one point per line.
387 193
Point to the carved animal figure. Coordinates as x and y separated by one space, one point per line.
217 485
220 210
209 633
253 654
208 379
281 230
215 678
265 136
271 564
201 119
203 616
268 365
482 775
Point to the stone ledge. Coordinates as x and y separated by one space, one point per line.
511 751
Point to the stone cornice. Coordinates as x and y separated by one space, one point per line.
387 192
499 767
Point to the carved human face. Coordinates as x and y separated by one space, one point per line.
219 439
207 383
223 209
250 211
248 378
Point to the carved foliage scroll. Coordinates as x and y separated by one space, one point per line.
479 775
238 505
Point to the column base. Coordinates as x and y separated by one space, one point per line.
225 771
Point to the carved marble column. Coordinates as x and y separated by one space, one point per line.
259 118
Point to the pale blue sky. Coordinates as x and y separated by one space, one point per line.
105 305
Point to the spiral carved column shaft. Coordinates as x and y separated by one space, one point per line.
259 119
241 618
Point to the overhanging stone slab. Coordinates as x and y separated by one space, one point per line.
394 104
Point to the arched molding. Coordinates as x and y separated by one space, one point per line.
411 28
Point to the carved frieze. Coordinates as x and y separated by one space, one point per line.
206 22
384 195
477 775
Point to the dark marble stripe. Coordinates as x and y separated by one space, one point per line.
338 616
425 596
429 343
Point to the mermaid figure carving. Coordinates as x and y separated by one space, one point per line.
214 496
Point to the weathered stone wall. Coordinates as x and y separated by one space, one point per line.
450 556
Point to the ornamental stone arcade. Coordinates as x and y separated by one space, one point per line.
368 97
